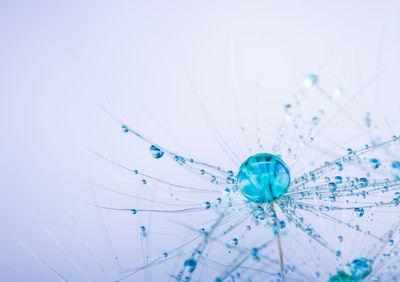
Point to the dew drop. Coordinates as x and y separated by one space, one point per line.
395 170
359 212
375 163
156 152
125 128
190 265
315 121
235 241
311 80
337 93
262 178
207 205
341 277
332 187
360 268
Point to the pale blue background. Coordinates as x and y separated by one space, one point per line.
60 59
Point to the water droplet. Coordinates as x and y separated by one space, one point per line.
367 120
142 228
311 80
337 93
338 179
359 212
133 211
315 121
263 178
207 205
341 277
165 254
125 128
190 265
360 268
156 152
338 253
226 191
259 213
339 166
332 187
375 163
235 241
395 170
230 180
363 182
396 199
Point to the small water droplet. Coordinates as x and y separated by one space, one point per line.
375 163
332 187
207 205
156 152
359 212
125 128
315 121
190 265
235 241
311 80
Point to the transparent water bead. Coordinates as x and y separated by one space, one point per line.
311 80
263 178
190 264
375 163
360 268
395 170
156 152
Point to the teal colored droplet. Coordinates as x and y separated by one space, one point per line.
375 163
311 80
360 268
359 212
156 152
190 265
263 178
207 205
341 277
124 128
235 241
332 187
395 170
315 121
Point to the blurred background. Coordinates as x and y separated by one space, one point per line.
157 65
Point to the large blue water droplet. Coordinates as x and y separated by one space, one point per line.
263 178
